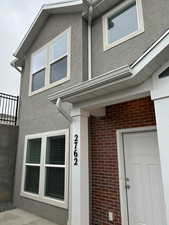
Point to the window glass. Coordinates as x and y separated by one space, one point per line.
122 23
55 153
39 61
32 179
55 183
33 151
50 64
38 80
51 172
59 47
58 70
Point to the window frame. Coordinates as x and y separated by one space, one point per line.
47 83
41 195
122 6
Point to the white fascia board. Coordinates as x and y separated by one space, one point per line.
129 72
95 83
46 9
62 4
151 53
28 32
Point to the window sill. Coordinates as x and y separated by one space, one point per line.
122 40
45 200
55 84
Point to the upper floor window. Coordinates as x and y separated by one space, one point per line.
122 23
50 65
38 69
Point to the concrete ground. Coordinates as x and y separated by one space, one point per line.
20 217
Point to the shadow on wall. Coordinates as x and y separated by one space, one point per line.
8 149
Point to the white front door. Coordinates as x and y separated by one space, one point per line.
144 192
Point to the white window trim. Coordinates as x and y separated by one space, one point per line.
120 152
47 68
140 30
41 196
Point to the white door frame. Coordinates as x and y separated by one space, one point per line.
121 166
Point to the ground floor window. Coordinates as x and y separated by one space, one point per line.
45 169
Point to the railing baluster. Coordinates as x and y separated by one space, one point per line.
16 113
3 104
9 105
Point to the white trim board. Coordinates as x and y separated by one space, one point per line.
120 149
123 77
41 195
48 64
41 17
112 12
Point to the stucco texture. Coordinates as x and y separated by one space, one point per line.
156 22
38 115
8 148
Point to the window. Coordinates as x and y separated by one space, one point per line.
50 65
32 166
123 23
55 166
58 61
45 170
38 70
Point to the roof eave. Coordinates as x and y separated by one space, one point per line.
106 80
45 11
121 78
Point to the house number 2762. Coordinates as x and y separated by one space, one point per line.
76 150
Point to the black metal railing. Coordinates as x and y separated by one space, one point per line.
8 109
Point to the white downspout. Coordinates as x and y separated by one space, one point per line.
58 104
69 118
89 53
90 41
62 111
14 66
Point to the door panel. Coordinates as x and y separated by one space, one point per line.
144 182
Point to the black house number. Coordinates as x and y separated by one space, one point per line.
75 150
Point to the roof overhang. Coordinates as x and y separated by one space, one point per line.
121 78
63 7
101 6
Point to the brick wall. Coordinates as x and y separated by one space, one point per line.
104 165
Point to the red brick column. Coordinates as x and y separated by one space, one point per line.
103 158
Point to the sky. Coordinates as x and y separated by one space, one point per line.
16 16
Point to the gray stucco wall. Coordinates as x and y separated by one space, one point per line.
85 49
156 23
8 148
38 115
54 26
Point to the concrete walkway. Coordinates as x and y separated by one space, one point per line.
20 217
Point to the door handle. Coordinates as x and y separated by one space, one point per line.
127 186
127 183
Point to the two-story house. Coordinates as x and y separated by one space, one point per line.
94 113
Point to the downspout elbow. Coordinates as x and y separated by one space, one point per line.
14 66
62 111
